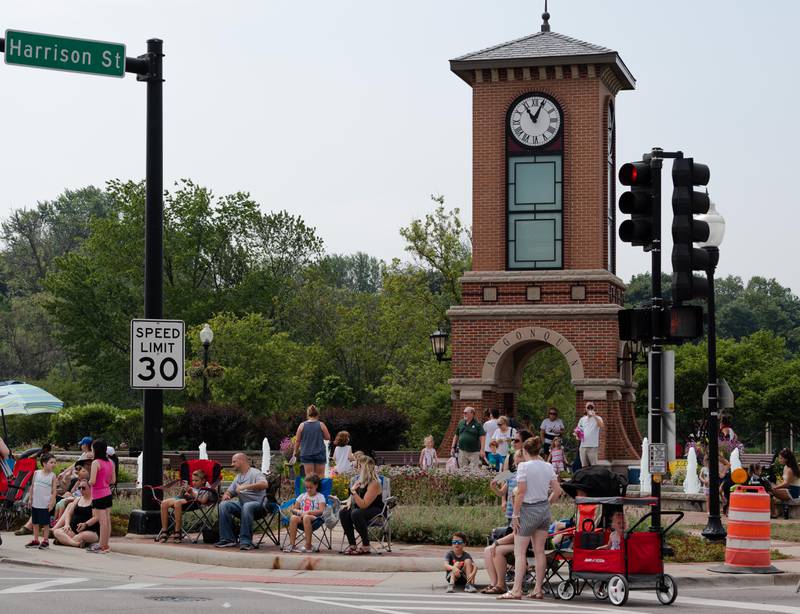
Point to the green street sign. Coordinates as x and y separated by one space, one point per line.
64 53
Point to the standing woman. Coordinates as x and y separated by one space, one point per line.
537 488
310 443
101 478
789 487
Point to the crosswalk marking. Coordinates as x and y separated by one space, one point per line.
38 586
721 603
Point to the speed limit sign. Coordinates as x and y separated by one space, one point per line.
157 354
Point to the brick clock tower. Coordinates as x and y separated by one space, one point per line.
543 230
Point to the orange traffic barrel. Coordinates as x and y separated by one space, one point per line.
747 547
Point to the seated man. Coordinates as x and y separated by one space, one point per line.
250 487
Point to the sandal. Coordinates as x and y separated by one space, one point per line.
178 539
350 551
493 590
362 551
163 537
535 595
509 595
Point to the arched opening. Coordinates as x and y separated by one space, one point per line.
545 382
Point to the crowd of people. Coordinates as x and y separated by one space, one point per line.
75 503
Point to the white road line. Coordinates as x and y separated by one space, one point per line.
38 586
720 603
133 586
399 606
326 602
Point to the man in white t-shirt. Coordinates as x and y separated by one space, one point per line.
489 427
590 424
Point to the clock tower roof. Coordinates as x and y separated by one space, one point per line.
542 49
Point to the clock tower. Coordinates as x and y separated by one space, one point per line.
543 230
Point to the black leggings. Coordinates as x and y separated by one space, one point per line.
358 519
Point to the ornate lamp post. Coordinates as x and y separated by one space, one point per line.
206 337
714 530
439 345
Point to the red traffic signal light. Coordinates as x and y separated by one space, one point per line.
635 173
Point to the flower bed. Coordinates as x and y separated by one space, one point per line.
412 485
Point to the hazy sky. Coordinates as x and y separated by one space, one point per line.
346 112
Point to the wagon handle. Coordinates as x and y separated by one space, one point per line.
664 530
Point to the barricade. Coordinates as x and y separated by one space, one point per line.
747 549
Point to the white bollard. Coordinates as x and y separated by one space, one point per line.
691 484
265 456
203 454
644 471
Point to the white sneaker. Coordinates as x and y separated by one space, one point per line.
287 549
450 589
305 550
469 588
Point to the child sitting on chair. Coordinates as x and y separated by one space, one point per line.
307 510
197 492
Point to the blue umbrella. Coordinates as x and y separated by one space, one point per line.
18 398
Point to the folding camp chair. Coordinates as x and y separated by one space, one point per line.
197 516
321 536
379 528
271 512
13 494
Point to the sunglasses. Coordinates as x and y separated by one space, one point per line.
517 441
457 542
83 487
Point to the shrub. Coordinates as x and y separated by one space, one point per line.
129 428
275 428
34 429
371 428
69 425
422 524
436 487
221 427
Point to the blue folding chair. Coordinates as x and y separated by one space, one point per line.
325 531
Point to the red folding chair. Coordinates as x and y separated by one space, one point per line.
197 515
11 498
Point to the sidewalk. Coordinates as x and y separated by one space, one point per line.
137 555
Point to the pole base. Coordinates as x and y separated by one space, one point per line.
144 522
714 531
735 569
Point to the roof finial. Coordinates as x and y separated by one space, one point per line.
545 18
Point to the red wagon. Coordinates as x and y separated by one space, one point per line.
638 564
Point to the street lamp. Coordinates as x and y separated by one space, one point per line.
206 337
439 345
714 530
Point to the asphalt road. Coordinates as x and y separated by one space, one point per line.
33 590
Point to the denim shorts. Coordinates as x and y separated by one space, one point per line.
313 460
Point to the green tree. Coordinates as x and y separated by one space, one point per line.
441 245
358 272
219 254
334 393
546 382
265 372
35 237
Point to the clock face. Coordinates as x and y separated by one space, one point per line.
535 120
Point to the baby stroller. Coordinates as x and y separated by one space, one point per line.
637 564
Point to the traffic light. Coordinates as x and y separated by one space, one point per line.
686 230
640 203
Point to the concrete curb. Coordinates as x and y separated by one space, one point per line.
781 579
296 562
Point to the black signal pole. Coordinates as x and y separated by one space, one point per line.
657 342
149 68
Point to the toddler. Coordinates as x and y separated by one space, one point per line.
494 459
343 453
617 532
428 457
556 457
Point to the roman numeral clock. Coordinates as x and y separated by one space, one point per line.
535 166
543 233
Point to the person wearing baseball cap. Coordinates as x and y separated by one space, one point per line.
86 448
